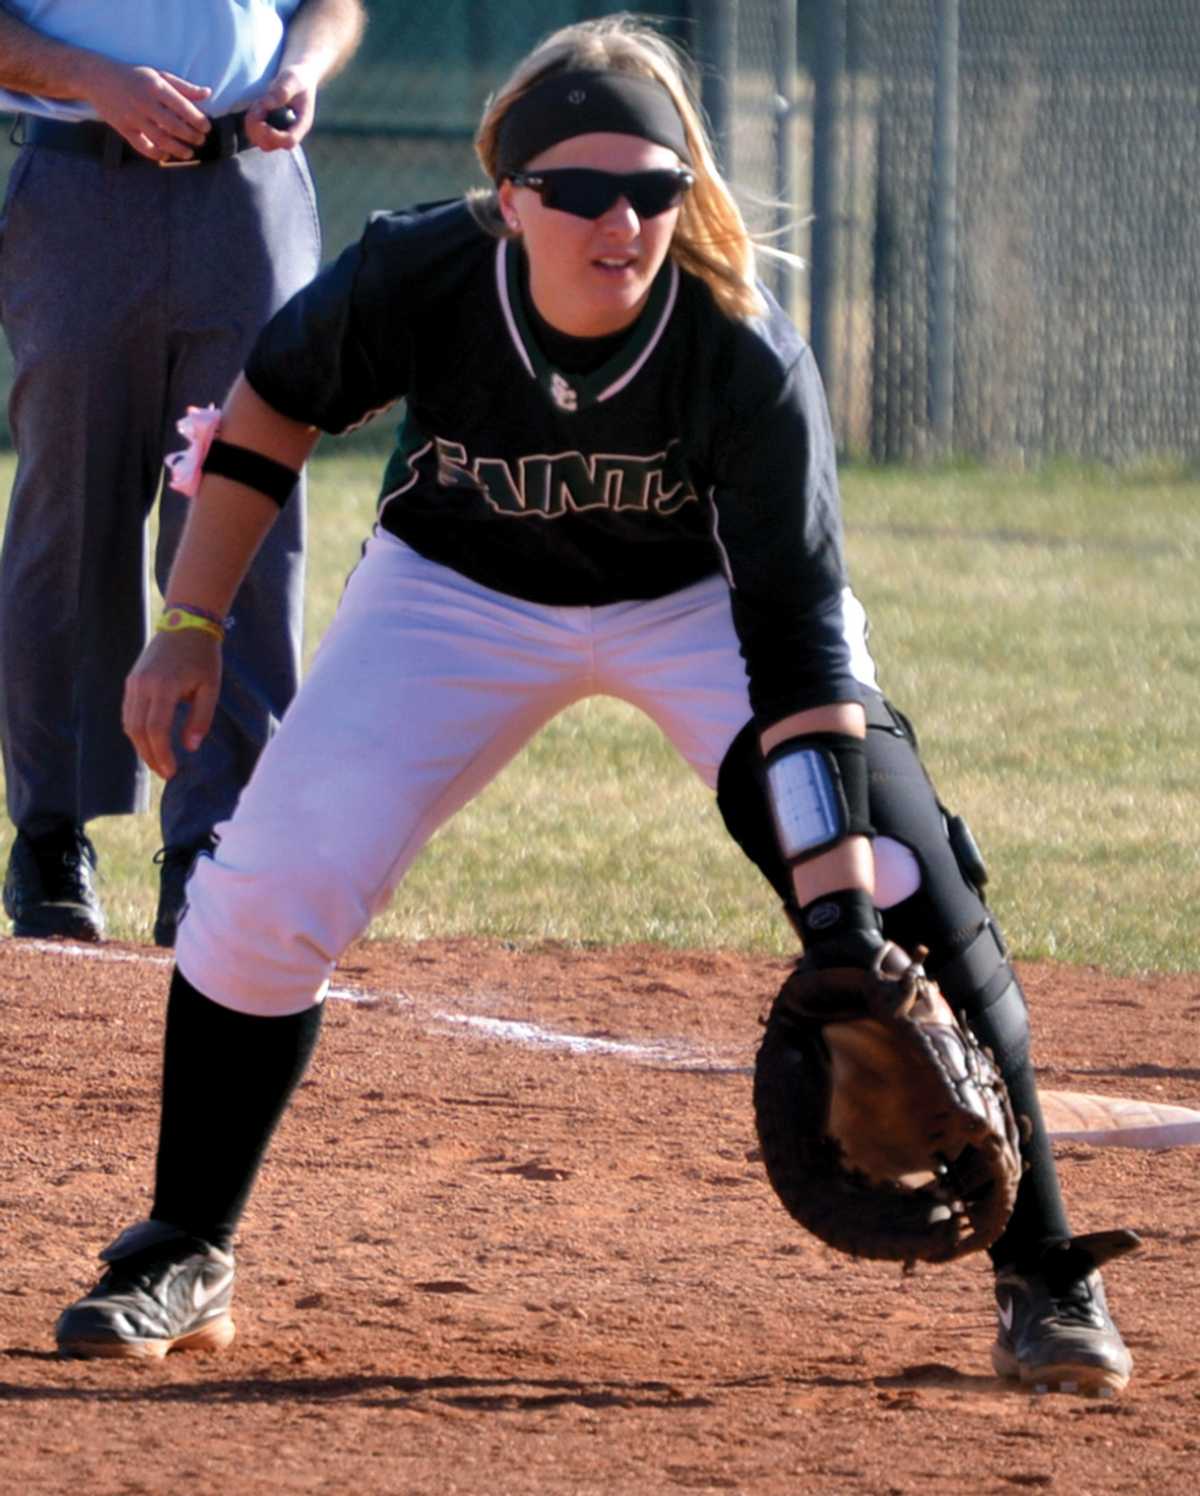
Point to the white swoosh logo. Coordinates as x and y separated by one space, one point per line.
202 1292
1004 1312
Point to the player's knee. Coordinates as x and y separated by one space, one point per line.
265 938
897 872
742 801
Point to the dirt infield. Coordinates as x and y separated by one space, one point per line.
513 1238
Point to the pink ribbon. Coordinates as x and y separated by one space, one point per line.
198 426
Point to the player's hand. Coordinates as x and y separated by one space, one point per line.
293 89
154 111
174 669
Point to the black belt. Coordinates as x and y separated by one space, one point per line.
91 137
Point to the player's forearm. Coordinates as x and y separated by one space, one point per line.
850 864
32 63
225 527
321 38
228 520
838 716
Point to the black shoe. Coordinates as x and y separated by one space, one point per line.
48 887
164 1291
1055 1330
176 865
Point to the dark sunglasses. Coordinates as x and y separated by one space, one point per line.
589 194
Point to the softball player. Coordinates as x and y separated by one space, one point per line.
615 475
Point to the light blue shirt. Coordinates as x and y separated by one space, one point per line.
230 46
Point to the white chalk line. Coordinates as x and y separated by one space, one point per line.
674 1054
1135 1124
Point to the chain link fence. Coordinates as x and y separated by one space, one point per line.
1010 268
994 198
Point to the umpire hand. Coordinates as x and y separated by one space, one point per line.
155 111
174 669
293 89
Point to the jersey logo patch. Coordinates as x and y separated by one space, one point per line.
562 394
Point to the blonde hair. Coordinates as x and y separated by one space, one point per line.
711 238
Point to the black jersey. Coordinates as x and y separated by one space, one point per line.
702 444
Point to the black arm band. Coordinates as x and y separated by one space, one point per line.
274 480
818 794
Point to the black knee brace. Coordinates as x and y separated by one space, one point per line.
947 914
980 983
742 801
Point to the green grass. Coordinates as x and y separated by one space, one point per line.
1042 631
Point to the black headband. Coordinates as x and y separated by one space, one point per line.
583 103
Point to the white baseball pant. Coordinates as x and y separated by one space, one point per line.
424 687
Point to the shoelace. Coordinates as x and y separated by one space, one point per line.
1074 1304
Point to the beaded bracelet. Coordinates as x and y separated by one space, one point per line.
179 616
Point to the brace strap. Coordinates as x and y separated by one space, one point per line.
817 790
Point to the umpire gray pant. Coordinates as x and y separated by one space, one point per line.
127 293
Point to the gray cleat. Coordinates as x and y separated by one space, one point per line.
164 1290
1054 1330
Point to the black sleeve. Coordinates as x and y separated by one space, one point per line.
339 351
779 526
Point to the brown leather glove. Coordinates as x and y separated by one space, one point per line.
886 1129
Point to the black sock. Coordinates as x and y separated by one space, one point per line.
1039 1216
227 1078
